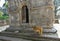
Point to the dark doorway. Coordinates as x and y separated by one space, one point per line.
25 14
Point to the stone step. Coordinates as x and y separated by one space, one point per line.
30 36
29 30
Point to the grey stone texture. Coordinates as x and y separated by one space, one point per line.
41 12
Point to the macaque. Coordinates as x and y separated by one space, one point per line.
38 29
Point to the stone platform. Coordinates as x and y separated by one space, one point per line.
29 29
28 35
5 38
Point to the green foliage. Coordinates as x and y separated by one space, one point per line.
1 13
3 16
6 4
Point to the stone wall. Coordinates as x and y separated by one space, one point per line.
41 12
14 12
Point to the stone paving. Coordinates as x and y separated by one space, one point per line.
56 26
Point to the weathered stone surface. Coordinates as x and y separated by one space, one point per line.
41 12
31 36
5 38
